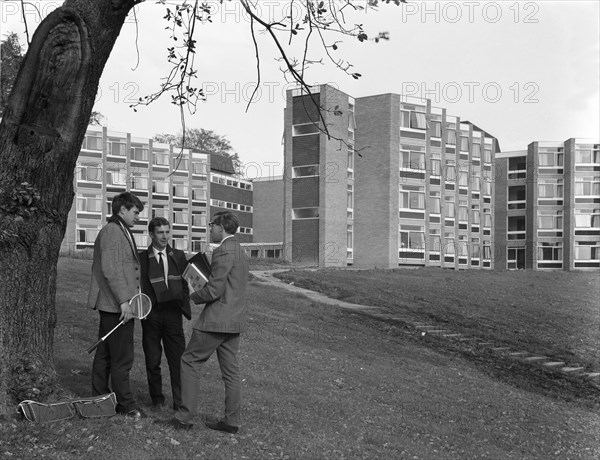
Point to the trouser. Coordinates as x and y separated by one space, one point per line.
199 349
164 325
113 360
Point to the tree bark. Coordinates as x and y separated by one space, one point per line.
41 134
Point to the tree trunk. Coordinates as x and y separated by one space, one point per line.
41 134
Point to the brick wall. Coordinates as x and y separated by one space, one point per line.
376 179
268 211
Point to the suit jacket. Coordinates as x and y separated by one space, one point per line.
175 257
225 292
115 270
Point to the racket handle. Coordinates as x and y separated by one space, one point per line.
93 347
102 339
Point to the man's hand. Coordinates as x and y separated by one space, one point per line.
126 313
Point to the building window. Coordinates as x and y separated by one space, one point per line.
181 163
517 168
549 190
413 117
463 176
116 177
475 214
475 248
449 244
350 200
462 246
550 220
198 245
86 235
516 228
450 170
199 219
161 159
587 155
90 173
305 129
350 163
435 240
412 160
138 181
305 213
550 251
117 147
199 168
199 193
412 237
587 185
180 190
305 171
436 167
139 153
180 217
517 198
487 156
463 213
412 197
550 159
436 128
451 137
487 217
464 144
475 178
349 241
476 150
449 207
158 211
180 242
515 258
89 204
92 141
587 218
159 186
587 250
434 202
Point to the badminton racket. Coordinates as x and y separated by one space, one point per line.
140 306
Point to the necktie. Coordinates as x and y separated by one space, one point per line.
161 265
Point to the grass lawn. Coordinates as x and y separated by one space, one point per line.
319 383
549 313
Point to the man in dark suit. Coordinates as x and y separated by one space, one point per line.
162 269
115 280
218 328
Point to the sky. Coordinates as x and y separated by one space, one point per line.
523 71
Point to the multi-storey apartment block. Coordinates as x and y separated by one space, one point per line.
228 191
548 206
416 182
183 186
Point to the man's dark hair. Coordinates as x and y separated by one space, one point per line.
227 220
127 199
157 222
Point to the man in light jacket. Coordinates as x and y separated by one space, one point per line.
115 280
218 328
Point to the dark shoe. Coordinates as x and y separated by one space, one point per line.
135 414
158 402
222 426
158 406
174 423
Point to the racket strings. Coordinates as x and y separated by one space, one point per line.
140 306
